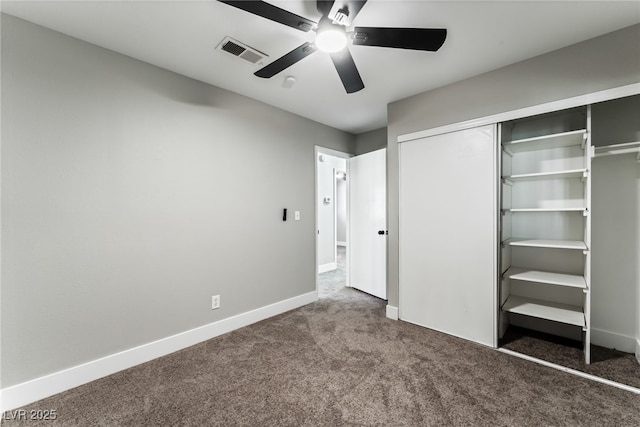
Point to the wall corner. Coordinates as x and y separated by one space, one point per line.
392 313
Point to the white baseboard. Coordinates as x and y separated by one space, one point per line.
39 388
392 312
327 267
638 349
609 339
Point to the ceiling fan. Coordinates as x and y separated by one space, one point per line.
332 36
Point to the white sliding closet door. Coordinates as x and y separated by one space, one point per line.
448 233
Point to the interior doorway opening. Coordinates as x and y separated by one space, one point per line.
332 221
351 235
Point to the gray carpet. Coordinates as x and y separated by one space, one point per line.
340 361
605 363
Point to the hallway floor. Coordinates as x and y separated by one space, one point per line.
335 280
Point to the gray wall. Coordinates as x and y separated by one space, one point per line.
609 61
130 195
616 121
615 246
371 141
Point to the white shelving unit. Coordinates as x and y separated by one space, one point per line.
545 142
577 173
546 225
544 243
560 209
549 310
536 276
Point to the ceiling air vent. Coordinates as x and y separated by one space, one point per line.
240 50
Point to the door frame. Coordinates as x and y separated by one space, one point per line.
344 155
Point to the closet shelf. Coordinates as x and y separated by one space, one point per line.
576 209
564 139
557 312
565 174
543 243
545 277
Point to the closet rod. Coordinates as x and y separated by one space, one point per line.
612 150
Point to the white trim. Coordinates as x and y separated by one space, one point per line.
331 152
1 410
613 340
576 101
638 349
338 243
39 388
327 267
392 312
571 371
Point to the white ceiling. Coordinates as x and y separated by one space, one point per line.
182 36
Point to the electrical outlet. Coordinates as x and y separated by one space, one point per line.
215 302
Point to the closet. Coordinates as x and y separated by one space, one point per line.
524 233
545 262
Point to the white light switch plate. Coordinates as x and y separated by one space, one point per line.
297 215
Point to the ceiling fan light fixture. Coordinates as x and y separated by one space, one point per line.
331 39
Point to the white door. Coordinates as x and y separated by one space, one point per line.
448 233
368 223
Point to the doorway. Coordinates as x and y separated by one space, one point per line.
351 238
332 221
